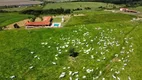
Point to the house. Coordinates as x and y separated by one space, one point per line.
47 21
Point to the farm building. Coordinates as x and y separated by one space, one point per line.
124 9
46 22
127 10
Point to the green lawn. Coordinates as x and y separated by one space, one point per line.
57 19
9 18
108 49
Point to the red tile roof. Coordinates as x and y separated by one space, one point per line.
45 22
42 23
48 18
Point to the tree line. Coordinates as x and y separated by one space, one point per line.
47 11
133 2
110 1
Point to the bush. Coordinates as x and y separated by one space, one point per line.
101 7
3 11
114 7
16 26
0 28
87 8
33 19
77 9
73 53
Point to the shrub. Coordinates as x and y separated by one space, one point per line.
33 19
73 53
87 8
77 9
101 7
0 28
3 11
16 26
114 7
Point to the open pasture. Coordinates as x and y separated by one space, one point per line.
9 18
106 51
108 46
15 9
74 5
93 17
18 2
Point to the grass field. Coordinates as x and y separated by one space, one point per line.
22 8
17 2
138 9
109 48
74 5
9 18
14 9
65 5
98 17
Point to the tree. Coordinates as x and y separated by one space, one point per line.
16 25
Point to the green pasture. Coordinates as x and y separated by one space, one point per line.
74 5
15 9
109 47
93 17
9 18
18 9
139 8
17 57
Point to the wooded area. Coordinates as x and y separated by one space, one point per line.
115 1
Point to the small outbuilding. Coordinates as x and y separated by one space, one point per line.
124 9
128 10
